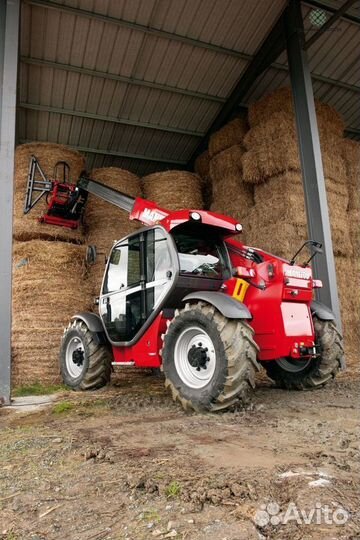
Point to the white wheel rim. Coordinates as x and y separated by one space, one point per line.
74 369
195 338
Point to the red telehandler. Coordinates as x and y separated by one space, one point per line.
182 294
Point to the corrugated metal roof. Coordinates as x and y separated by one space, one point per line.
114 43
335 56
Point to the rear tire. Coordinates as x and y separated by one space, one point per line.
316 372
84 363
209 361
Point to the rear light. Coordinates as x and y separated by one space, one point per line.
317 283
195 216
238 227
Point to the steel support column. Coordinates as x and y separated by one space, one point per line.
310 155
9 32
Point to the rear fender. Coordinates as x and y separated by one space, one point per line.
228 306
94 324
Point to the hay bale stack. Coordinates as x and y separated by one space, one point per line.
202 165
281 201
173 190
272 233
232 133
272 151
105 222
348 272
232 198
272 164
48 288
227 163
351 155
202 168
230 195
281 101
27 227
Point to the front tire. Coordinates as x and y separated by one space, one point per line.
300 374
84 363
209 361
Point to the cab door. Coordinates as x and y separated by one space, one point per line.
140 273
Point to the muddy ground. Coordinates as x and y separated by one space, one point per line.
127 463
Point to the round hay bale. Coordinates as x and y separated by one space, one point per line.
201 165
226 163
26 226
231 197
351 154
281 101
49 286
173 190
107 223
232 133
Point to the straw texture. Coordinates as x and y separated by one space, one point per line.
281 101
49 286
232 133
173 190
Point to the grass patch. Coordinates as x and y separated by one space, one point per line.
37 389
173 489
62 406
150 515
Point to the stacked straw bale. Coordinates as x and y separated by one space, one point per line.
26 226
48 271
281 101
272 164
174 190
232 133
277 223
348 268
202 169
105 222
48 287
231 196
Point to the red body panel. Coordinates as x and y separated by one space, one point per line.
279 295
145 353
281 312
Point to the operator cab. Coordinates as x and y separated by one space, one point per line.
153 270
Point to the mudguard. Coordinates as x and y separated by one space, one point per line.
321 311
228 306
94 324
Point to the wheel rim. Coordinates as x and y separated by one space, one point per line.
293 366
75 357
195 357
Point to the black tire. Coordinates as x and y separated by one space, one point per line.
94 360
233 355
318 371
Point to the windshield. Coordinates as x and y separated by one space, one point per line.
200 255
